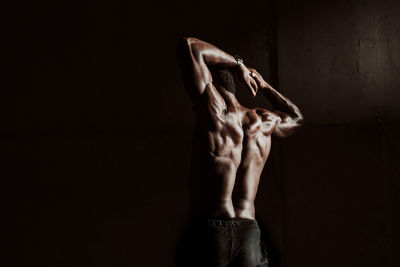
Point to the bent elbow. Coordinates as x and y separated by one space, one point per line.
183 45
187 47
187 42
283 133
299 118
287 129
300 121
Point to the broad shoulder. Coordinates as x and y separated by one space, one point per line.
266 115
259 119
254 115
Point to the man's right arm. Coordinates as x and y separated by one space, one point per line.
289 116
196 56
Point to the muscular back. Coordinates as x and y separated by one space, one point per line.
230 137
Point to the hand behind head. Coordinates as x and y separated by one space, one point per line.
261 83
247 78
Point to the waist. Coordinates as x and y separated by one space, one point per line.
231 222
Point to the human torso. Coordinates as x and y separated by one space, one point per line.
231 146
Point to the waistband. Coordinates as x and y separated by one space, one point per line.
232 222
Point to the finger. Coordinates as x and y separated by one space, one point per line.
254 84
250 87
260 81
254 87
256 72
256 77
253 91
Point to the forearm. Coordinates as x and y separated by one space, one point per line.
210 54
282 103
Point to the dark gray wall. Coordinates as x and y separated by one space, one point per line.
342 54
339 60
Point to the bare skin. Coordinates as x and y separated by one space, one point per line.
232 142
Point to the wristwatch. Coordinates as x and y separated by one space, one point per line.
239 60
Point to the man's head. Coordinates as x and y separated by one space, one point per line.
225 78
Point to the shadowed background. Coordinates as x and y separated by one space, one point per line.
95 129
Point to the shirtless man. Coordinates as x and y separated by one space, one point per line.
230 147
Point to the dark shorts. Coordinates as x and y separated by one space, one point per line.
227 242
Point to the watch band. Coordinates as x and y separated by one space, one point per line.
239 60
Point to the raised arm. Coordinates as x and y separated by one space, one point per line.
196 57
289 115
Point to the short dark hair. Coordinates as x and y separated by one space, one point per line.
225 78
